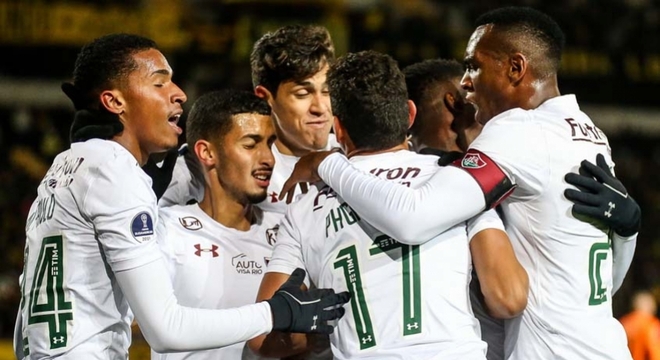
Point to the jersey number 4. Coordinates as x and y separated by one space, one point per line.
47 303
347 259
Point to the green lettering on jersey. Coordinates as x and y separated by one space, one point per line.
347 259
47 300
597 254
412 284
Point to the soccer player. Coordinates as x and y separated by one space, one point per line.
91 255
289 69
418 311
218 249
445 121
532 136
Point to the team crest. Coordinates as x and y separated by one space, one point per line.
472 161
142 227
190 223
271 235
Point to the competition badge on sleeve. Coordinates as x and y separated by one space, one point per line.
142 227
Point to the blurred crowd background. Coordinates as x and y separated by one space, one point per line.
612 64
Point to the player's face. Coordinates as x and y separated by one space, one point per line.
245 160
302 114
153 102
434 123
485 77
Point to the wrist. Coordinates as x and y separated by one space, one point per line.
281 313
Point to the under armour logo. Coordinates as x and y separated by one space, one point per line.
273 197
212 250
58 339
314 324
367 339
414 325
608 213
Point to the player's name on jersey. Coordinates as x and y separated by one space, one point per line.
582 131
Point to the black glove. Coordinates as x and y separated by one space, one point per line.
94 124
87 123
161 176
298 311
446 157
603 197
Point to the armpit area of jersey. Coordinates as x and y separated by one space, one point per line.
495 183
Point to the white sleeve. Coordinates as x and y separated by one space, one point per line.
517 143
186 183
19 347
623 250
486 220
411 216
287 253
122 207
169 327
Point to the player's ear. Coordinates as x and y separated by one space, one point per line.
113 101
264 93
205 153
412 112
517 67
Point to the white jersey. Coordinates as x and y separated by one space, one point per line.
569 262
186 184
212 266
408 302
94 215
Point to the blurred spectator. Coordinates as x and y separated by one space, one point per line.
643 327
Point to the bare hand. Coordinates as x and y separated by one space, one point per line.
305 171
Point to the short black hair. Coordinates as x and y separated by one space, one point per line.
423 75
525 21
369 96
292 53
210 117
102 64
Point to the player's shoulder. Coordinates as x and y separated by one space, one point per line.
307 206
107 158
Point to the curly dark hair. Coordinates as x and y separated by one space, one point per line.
210 117
538 28
102 64
369 96
292 53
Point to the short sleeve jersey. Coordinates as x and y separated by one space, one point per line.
407 301
94 215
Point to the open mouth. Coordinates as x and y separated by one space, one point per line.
262 177
174 121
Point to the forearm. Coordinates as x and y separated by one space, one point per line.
169 327
503 281
411 216
623 250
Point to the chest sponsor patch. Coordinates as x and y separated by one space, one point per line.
494 182
142 227
190 223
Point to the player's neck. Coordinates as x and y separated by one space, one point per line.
362 152
539 92
131 144
224 209
288 149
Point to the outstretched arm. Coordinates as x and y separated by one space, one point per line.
412 216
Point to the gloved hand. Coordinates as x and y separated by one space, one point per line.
446 157
603 197
299 311
87 123
94 124
161 176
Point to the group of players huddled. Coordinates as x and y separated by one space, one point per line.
453 212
